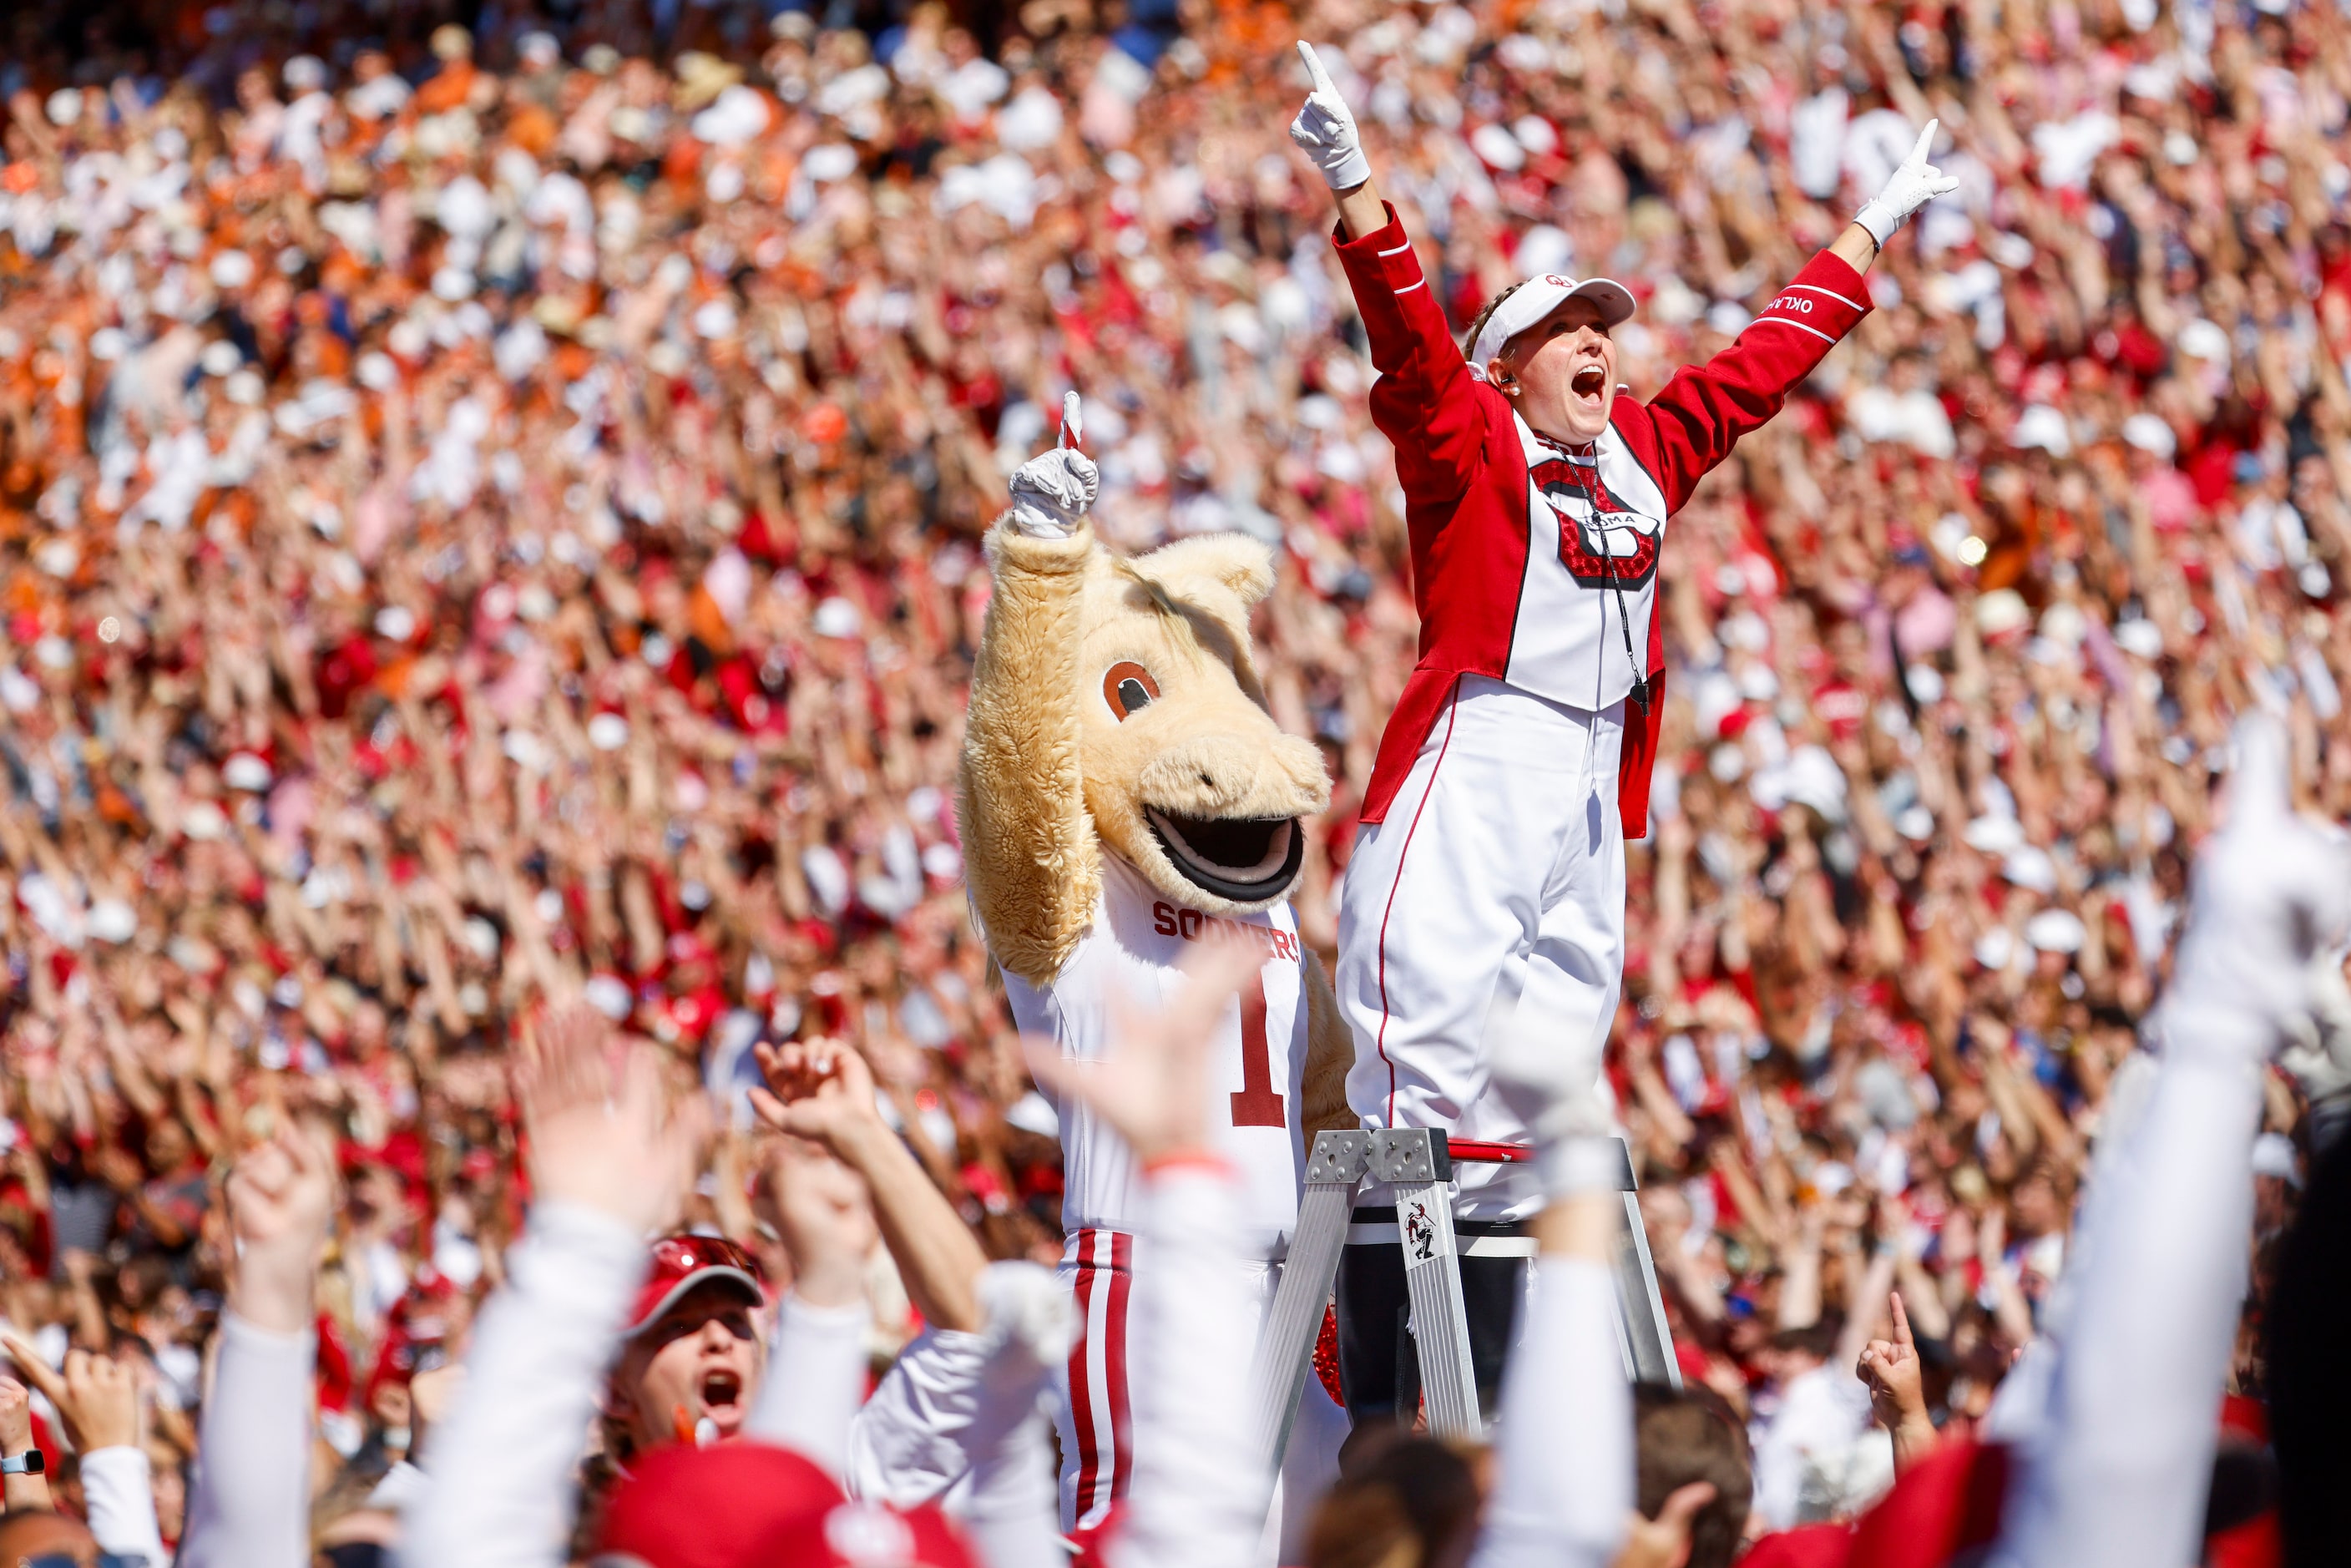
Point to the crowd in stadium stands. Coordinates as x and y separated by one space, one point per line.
492 515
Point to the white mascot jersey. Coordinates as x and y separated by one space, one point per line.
1136 949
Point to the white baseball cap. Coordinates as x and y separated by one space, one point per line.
1538 297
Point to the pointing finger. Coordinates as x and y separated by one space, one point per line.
1902 1323
1073 424
1314 71
1926 146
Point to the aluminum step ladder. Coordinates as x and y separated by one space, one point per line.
1417 1162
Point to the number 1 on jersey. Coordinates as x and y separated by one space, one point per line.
1255 1103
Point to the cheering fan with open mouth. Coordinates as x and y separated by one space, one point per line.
1483 912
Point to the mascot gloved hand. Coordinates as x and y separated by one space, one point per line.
1053 491
1125 797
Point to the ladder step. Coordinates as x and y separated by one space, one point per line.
1416 1164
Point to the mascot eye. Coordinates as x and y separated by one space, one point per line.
1128 688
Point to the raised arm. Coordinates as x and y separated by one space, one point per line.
820 1094
1029 855
1565 1491
250 1508
2115 1473
1426 401
1705 409
824 1324
822 1090
610 1161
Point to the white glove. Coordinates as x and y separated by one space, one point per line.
1032 1325
1029 1314
1325 130
2318 1044
1052 490
1914 184
1555 1092
2271 893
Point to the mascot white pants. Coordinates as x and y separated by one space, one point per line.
1093 1422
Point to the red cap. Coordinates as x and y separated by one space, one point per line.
748 1505
685 1260
721 1507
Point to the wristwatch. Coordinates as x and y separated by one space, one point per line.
28 1463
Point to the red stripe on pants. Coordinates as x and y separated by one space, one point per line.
1103 1277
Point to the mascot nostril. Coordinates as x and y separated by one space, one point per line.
1103 847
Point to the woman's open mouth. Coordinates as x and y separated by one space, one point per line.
1591 382
722 1397
1245 859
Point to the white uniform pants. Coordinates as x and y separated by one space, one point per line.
1095 1422
1492 898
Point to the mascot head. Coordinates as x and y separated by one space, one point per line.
1186 776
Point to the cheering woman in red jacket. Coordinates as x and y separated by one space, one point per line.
1483 912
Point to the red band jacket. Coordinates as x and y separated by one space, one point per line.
1536 564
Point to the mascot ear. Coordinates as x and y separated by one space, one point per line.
1235 561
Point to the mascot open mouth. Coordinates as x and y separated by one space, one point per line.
1244 859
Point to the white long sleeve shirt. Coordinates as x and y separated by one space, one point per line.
815 1380
500 1475
1566 1439
1197 1501
250 1507
959 1421
2114 1473
117 1486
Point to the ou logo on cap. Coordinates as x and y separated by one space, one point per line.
1557 282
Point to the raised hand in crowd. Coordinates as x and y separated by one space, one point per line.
96 1395
1153 1089
281 1199
605 1129
1894 1375
823 1210
823 1091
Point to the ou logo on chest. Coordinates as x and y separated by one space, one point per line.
1602 546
